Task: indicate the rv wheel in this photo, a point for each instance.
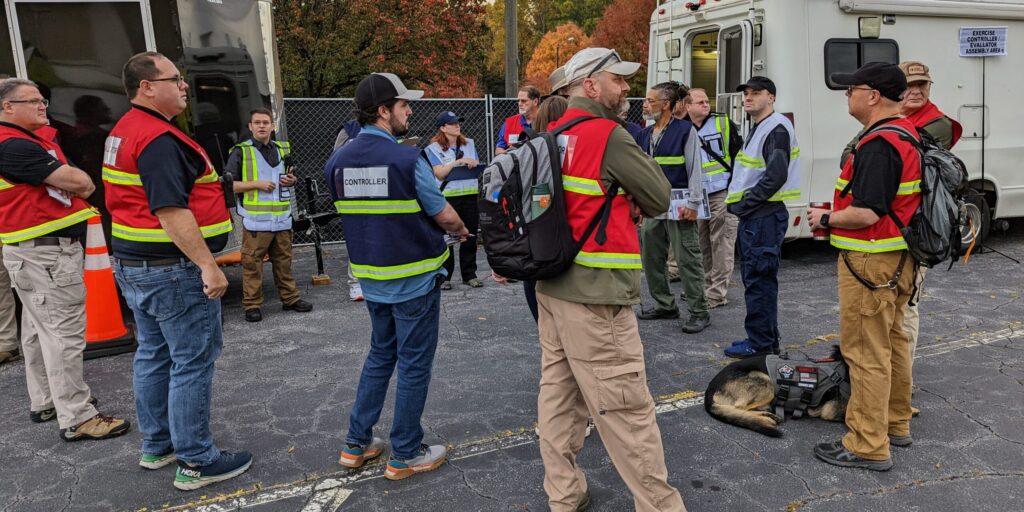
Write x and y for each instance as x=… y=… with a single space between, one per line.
x=979 y=216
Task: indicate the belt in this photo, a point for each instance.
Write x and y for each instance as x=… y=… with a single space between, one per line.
x=38 y=241
x=151 y=263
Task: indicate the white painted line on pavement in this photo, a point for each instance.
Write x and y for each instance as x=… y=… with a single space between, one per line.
x=329 y=494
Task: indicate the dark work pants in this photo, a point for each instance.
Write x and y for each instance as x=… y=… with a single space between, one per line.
x=760 y=242
x=467 y=209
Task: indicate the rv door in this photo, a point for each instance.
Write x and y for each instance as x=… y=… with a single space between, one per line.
x=735 y=53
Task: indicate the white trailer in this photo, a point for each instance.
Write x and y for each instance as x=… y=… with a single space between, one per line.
x=718 y=44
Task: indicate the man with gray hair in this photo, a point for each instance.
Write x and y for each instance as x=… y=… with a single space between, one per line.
x=592 y=359
x=42 y=217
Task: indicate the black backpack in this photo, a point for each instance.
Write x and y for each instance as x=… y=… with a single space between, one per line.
x=523 y=222
x=939 y=228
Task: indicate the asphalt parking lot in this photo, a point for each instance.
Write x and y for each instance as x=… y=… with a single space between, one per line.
x=284 y=386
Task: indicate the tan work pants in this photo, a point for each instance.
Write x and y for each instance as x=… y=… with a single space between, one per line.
x=48 y=279
x=592 y=362
x=8 y=324
x=912 y=319
x=717 y=238
x=877 y=351
x=256 y=245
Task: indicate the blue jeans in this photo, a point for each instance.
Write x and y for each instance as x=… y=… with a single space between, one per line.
x=760 y=242
x=179 y=335
x=404 y=334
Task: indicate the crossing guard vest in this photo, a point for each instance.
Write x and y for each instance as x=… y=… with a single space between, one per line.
x=456 y=188
x=884 y=235
x=749 y=167
x=126 y=200
x=389 y=236
x=669 y=152
x=514 y=128
x=28 y=211
x=716 y=132
x=585 y=144
x=264 y=211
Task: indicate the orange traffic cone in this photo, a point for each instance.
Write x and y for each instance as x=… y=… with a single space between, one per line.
x=105 y=331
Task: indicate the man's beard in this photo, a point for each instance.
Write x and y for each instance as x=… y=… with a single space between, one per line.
x=398 y=129
x=653 y=116
x=523 y=110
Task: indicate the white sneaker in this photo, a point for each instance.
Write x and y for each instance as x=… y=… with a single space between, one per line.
x=429 y=459
x=355 y=293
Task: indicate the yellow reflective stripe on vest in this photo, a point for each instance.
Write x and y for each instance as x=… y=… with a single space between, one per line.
x=584 y=186
x=249 y=172
x=459 y=192
x=121 y=177
x=159 y=235
x=785 y=195
x=269 y=208
x=735 y=197
x=670 y=160
x=841 y=184
x=712 y=168
x=48 y=227
x=909 y=187
x=398 y=271
x=127 y=178
x=4 y=184
x=608 y=260
x=873 y=246
x=364 y=207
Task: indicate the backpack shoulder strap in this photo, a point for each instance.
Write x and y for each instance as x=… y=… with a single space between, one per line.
x=558 y=131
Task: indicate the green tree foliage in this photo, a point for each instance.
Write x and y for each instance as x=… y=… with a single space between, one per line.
x=326 y=47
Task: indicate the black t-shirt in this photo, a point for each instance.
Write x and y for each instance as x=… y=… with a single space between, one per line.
x=168 y=169
x=25 y=162
x=877 y=170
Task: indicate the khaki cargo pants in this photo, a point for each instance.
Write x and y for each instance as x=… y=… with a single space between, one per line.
x=278 y=245
x=592 y=363
x=48 y=279
x=877 y=350
x=717 y=237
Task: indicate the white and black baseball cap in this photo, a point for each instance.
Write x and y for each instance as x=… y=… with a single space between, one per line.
x=379 y=88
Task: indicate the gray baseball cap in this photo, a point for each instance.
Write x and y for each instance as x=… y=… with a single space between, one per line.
x=589 y=61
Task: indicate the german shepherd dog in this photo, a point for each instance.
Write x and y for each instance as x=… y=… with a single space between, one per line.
x=743 y=394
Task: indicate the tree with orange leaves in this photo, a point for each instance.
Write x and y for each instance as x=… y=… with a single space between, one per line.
x=626 y=26
x=558 y=45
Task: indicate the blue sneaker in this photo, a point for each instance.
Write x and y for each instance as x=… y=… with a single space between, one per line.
x=776 y=349
x=228 y=466
x=743 y=350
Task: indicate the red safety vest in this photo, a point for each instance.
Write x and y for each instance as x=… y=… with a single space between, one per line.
x=49 y=133
x=28 y=211
x=930 y=113
x=884 y=235
x=584 y=195
x=513 y=126
x=126 y=200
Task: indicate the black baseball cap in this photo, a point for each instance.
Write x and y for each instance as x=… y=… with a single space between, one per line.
x=888 y=79
x=448 y=117
x=758 y=83
x=379 y=88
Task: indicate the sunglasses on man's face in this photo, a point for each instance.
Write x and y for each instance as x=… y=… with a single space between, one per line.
x=600 y=65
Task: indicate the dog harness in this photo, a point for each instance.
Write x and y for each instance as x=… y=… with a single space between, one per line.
x=803 y=382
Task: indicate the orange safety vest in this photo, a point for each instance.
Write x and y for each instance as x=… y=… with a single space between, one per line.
x=884 y=235
x=585 y=144
x=126 y=200
x=28 y=211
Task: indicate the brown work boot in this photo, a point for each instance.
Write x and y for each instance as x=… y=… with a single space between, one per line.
x=97 y=427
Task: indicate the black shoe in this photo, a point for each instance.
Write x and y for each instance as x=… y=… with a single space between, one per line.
x=253 y=315
x=697 y=323
x=901 y=441
x=658 y=315
x=836 y=454
x=49 y=414
x=299 y=306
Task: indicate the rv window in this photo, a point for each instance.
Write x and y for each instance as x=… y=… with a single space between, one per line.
x=846 y=55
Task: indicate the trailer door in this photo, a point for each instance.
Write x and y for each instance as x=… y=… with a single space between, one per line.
x=735 y=54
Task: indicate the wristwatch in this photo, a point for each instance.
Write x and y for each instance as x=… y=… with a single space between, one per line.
x=823 y=220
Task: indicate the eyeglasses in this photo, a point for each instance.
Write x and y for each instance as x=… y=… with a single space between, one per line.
x=35 y=103
x=649 y=101
x=177 y=79
x=850 y=89
x=600 y=65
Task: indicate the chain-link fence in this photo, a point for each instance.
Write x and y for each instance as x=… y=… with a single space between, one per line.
x=313 y=126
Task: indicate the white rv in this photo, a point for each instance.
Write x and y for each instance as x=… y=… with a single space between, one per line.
x=718 y=44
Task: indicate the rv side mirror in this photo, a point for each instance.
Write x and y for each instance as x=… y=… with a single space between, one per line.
x=869 y=27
